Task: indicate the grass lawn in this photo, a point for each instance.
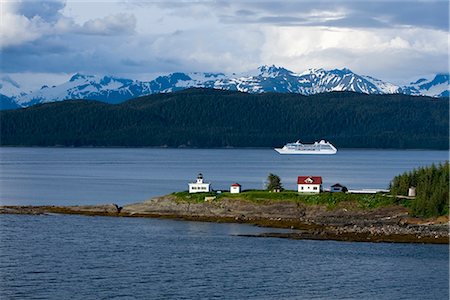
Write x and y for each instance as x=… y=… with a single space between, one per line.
x=324 y=198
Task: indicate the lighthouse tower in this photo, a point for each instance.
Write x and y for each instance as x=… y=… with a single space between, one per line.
x=199 y=186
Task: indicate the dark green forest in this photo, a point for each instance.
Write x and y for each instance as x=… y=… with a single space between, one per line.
x=216 y=118
x=432 y=189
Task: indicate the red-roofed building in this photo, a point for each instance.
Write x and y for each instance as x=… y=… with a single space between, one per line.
x=309 y=184
x=235 y=188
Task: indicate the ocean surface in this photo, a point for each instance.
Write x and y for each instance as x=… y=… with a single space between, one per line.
x=80 y=257
x=66 y=176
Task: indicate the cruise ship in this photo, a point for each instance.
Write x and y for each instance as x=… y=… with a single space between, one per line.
x=322 y=147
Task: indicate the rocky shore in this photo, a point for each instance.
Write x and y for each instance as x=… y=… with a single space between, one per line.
x=345 y=222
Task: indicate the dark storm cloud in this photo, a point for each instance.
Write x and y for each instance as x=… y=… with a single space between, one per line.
x=43 y=46
x=433 y=15
x=73 y=53
x=47 y=10
x=57 y=43
x=371 y=14
x=428 y=14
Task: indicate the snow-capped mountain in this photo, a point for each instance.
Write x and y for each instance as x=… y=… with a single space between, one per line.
x=112 y=89
x=276 y=79
x=281 y=80
x=265 y=79
x=437 y=86
x=107 y=88
x=9 y=87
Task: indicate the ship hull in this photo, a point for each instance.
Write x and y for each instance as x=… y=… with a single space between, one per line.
x=305 y=152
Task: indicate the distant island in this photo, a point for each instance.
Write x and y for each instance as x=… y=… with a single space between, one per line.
x=203 y=118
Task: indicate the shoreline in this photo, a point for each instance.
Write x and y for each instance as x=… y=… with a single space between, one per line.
x=313 y=222
x=209 y=148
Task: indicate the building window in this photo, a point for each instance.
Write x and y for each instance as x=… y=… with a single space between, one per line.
x=301 y=188
x=315 y=188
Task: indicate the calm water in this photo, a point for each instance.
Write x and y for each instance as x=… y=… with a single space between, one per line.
x=77 y=257
x=67 y=257
x=88 y=176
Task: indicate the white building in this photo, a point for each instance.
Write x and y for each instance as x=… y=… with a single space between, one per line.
x=199 y=186
x=235 y=188
x=309 y=184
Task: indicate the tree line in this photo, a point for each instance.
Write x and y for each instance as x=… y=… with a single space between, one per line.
x=432 y=189
x=215 y=118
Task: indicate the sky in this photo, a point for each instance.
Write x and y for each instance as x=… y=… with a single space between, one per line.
x=45 y=42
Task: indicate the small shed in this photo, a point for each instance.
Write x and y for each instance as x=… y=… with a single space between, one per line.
x=337 y=188
x=412 y=191
x=235 y=188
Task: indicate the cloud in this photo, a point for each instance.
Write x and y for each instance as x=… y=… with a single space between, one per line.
x=386 y=39
x=386 y=53
x=349 y=14
x=28 y=21
x=111 y=25
x=17 y=29
x=50 y=11
x=6 y=78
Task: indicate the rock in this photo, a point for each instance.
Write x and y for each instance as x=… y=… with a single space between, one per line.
x=380 y=224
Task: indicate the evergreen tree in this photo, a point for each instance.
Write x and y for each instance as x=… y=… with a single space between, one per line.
x=432 y=189
x=274 y=183
x=214 y=118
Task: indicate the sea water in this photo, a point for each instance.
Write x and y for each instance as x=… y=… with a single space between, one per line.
x=80 y=257
x=70 y=176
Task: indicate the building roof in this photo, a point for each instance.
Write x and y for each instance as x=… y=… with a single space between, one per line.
x=235 y=184
x=309 y=180
x=337 y=185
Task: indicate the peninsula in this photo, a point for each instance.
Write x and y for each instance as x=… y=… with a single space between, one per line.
x=328 y=216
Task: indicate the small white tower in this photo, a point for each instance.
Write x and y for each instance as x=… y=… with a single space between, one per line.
x=412 y=191
x=199 y=186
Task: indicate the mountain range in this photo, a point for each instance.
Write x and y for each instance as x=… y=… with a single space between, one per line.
x=113 y=90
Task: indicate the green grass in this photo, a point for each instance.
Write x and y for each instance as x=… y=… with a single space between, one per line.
x=364 y=201
x=194 y=198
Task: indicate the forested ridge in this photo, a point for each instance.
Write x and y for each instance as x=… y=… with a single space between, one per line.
x=216 y=118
